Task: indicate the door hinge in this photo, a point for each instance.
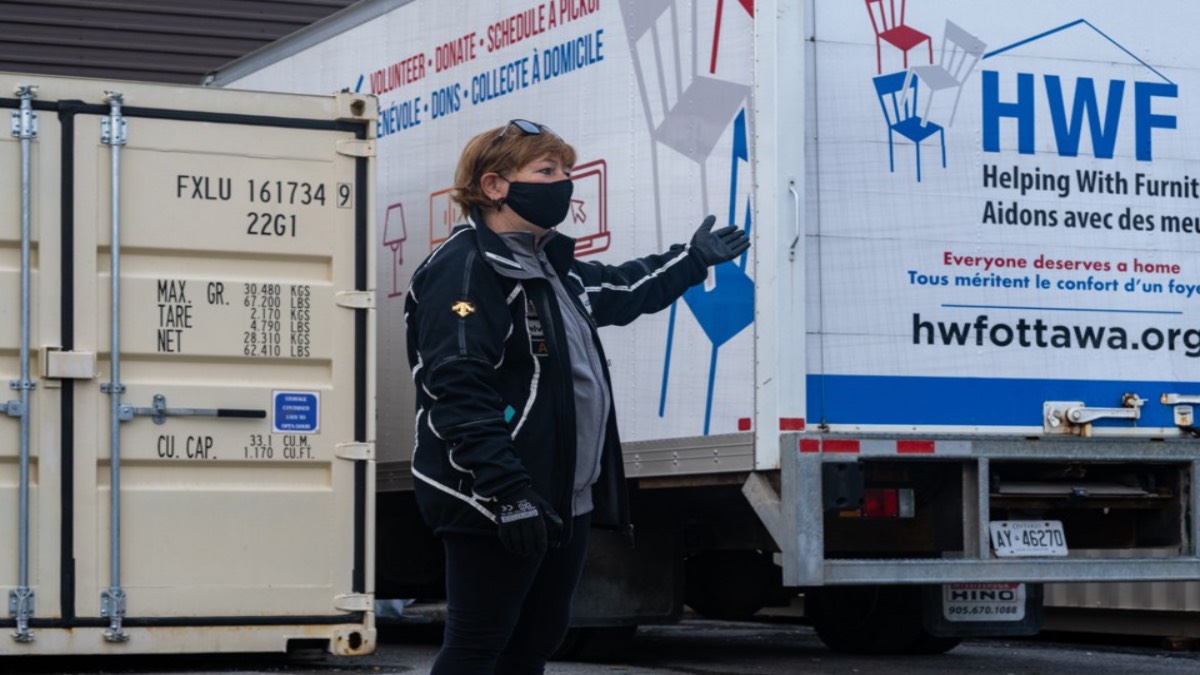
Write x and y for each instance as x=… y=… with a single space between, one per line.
x=355 y=299
x=60 y=365
x=355 y=148
x=354 y=602
x=25 y=121
x=354 y=451
x=114 y=129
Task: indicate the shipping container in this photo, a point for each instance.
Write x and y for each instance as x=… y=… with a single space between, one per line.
x=959 y=361
x=187 y=461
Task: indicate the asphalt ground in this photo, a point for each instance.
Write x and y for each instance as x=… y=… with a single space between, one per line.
x=693 y=647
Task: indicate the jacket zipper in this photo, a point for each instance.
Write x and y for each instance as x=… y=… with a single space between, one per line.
x=552 y=329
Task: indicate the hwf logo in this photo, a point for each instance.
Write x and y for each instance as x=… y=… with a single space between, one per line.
x=1101 y=115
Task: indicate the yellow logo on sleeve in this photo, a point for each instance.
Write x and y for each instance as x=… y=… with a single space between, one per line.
x=462 y=308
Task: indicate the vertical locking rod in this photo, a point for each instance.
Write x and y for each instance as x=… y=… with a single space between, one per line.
x=24 y=128
x=112 y=601
x=983 y=512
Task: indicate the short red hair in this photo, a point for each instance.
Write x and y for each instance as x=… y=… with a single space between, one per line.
x=502 y=150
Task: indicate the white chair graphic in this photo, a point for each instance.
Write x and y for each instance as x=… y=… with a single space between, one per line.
x=687 y=112
x=960 y=52
x=689 y=109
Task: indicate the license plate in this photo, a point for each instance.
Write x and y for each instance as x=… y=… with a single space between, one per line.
x=1028 y=538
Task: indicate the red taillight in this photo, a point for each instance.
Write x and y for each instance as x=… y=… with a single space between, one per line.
x=881 y=503
x=888 y=503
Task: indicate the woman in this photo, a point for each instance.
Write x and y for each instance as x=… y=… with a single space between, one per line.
x=517 y=453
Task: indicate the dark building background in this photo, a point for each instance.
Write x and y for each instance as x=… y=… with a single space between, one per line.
x=150 y=40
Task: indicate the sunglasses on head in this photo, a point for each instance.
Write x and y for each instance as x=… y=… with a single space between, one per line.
x=526 y=128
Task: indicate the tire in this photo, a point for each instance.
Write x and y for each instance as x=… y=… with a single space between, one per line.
x=873 y=620
x=596 y=645
x=931 y=645
x=730 y=585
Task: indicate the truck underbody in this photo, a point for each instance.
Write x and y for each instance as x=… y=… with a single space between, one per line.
x=871 y=537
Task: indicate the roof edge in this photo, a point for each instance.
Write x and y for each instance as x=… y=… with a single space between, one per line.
x=294 y=43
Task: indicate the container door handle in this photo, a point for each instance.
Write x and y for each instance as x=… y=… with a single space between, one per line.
x=160 y=412
x=796 y=221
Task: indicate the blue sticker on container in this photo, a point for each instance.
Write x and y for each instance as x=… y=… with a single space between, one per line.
x=296 y=412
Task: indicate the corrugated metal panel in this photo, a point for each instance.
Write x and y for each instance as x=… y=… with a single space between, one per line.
x=1164 y=609
x=1164 y=596
x=1167 y=608
x=174 y=41
x=335 y=24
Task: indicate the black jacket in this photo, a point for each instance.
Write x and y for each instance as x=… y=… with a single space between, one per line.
x=495 y=403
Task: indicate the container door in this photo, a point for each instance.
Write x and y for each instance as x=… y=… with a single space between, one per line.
x=241 y=358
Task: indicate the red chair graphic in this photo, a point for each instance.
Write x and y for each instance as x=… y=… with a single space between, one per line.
x=891 y=29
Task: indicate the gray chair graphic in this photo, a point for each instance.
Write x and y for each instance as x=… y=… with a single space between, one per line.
x=687 y=112
x=961 y=51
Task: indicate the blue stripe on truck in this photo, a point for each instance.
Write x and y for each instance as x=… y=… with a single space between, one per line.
x=971 y=401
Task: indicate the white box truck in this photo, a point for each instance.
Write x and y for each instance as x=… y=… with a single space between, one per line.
x=958 y=363
x=186 y=459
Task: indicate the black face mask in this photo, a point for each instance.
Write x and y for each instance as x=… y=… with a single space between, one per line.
x=543 y=204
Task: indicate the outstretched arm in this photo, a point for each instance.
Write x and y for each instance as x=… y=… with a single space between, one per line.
x=621 y=293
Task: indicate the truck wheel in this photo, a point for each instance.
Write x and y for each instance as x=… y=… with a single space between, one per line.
x=597 y=645
x=932 y=644
x=730 y=585
x=872 y=620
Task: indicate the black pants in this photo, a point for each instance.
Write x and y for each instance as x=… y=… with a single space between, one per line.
x=507 y=614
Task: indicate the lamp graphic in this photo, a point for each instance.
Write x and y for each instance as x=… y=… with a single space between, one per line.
x=394 y=234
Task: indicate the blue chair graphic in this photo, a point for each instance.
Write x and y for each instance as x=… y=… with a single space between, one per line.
x=728 y=307
x=900 y=112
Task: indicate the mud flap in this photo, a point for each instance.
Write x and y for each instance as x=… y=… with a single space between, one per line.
x=626 y=585
x=983 y=609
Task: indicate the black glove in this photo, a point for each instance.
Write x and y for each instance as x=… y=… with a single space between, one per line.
x=723 y=245
x=526 y=522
